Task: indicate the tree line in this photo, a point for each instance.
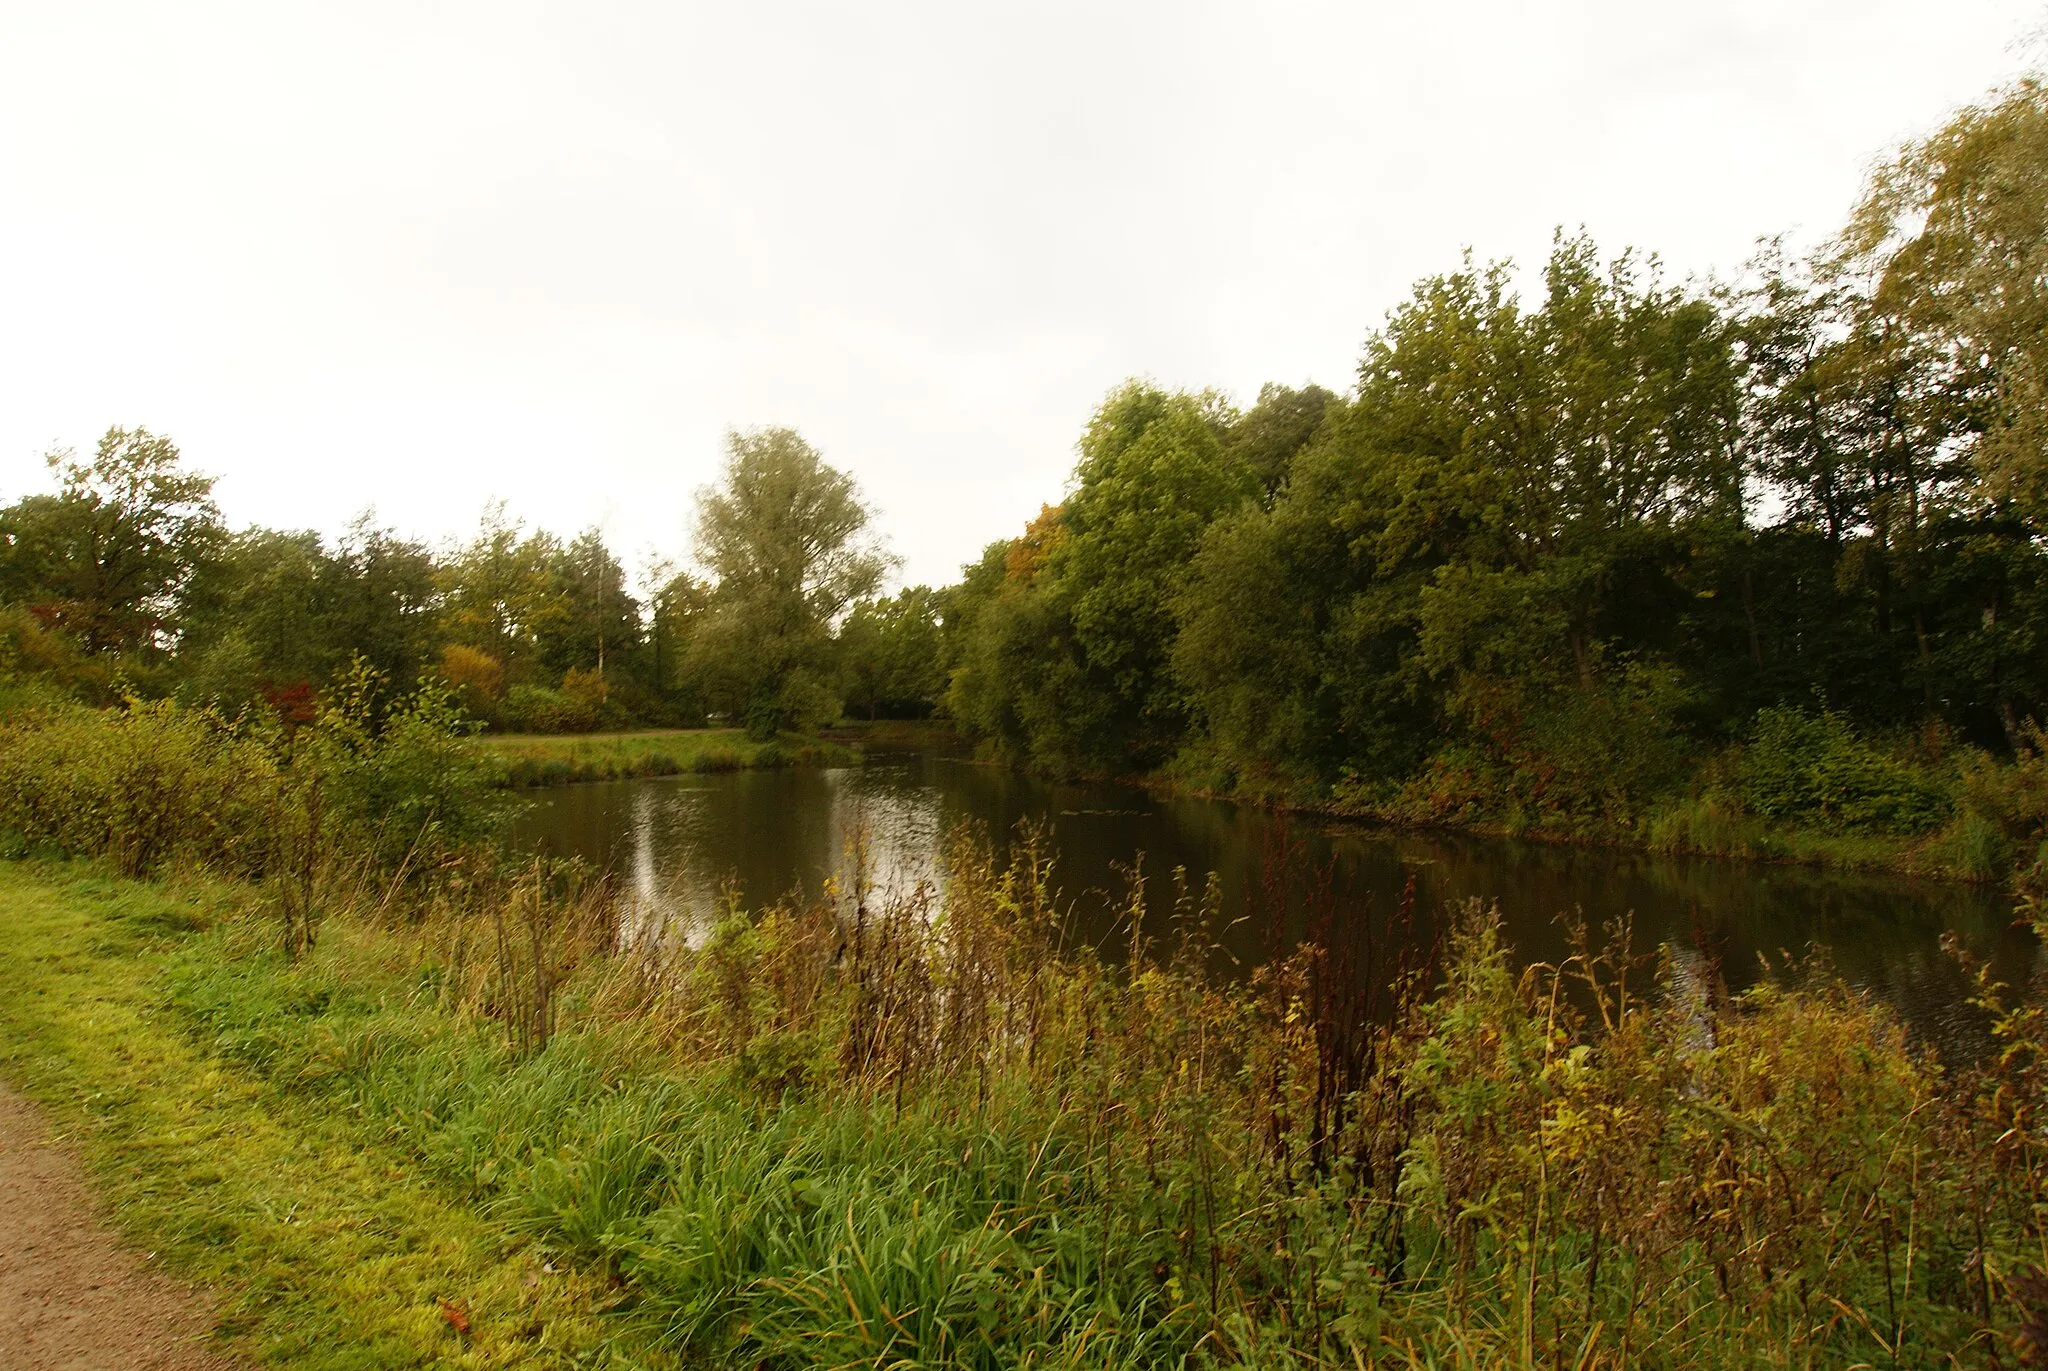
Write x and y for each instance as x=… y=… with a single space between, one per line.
x=1554 y=545
x=125 y=580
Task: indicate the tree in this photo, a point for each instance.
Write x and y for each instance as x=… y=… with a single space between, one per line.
x=1153 y=475
x=593 y=621
x=676 y=602
x=890 y=655
x=380 y=600
x=1545 y=456
x=499 y=593
x=1948 y=256
x=108 y=557
x=1953 y=237
x=1296 y=648
x=784 y=537
x=1281 y=424
x=254 y=618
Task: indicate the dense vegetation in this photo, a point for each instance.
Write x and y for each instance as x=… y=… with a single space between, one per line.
x=868 y=1131
x=126 y=583
x=1618 y=555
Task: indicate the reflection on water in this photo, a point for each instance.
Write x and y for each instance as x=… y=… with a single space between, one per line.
x=680 y=842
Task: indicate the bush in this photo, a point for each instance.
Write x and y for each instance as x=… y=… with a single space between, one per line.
x=1813 y=768
x=146 y=785
x=154 y=783
x=409 y=785
x=539 y=709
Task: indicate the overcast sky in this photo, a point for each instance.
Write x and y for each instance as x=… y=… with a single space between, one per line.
x=417 y=255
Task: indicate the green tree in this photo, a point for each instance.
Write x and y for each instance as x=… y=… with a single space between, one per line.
x=1952 y=236
x=380 y=600
x=499 y=594
x=254 y=617
x=784 y=537
x=1272 y=431
x=675 y=604
x=108 y=557
x=1153 y=474
x=1297 y=649
x=890 y=655
x=1544 y=455
x=593 y=623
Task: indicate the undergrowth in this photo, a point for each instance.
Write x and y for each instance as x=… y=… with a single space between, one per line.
x=844 y=1134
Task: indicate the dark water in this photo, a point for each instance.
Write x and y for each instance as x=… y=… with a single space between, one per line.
x=676 y=843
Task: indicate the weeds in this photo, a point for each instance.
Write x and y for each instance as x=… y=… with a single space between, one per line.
x=882 y=1129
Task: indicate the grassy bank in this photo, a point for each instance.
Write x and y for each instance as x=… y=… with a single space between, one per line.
x=900 y=735
x=333 y=1249
x=1808 y=789
x=961 y=1149
x=546 y=759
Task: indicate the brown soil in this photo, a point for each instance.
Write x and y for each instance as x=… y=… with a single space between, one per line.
x=71 y=1298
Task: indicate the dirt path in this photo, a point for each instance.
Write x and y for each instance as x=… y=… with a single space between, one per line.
x=71 y=1298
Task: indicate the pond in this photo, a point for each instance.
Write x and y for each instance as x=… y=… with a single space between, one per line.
x=677 y=843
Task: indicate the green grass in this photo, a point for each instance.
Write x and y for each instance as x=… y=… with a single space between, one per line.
x=540 y=759
x=958 y=1151
x=329 y=1247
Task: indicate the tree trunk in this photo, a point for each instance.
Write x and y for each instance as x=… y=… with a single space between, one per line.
x=1756 y=643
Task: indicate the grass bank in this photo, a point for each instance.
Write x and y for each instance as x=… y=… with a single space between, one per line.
x=904 y=1143
x=1806 y=789
x=900 y=735
x=561 y=759
x=332 y=1247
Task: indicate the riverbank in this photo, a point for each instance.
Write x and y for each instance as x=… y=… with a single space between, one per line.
x=401 y=1098
x=139 y=1016
x=533 y=759
x=736 y=1158
x=1995 y=832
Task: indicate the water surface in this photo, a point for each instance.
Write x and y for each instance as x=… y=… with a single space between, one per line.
x=678 y=843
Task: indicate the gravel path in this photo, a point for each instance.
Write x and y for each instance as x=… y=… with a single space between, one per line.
x=71 y=1297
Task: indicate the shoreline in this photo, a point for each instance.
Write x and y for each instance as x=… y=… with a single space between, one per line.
x=542 y=761
x=1886 y=855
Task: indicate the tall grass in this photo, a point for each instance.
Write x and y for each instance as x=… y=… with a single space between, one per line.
x=867 y=1131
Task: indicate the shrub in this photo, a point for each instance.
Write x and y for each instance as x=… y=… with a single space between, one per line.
x=157 y=782
x=409 y=786
x=146 y=785
x=539 y=709
x=477 y=678
x=1814 y=768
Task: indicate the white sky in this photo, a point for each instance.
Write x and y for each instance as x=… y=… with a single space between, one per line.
x=417 y=255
